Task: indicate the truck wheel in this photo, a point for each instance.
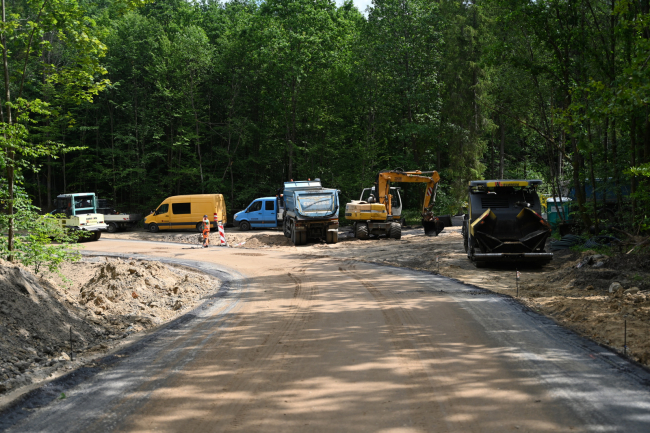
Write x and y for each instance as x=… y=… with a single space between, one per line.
x=480 y=264
x=361 y=231
x=332 y=237
x=395 y=231
x=112 y=228
x=244 y=226
x=298 y=237
x=153 y=228
x=285 y=228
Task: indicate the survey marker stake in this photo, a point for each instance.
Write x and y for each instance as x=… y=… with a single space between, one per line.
x=625 y=338
x=517 y=281
x=71 y=349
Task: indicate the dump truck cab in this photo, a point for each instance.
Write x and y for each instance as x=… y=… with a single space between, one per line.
x=504 y=222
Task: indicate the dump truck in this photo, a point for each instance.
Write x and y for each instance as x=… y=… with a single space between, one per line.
x=504 y=223
x=80 y=212
x=310 y=212
x=377 y=214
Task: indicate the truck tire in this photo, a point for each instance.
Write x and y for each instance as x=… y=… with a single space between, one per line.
x=244 y=226
x=332 y=236
x=153 y=228
x=361 y=231
x=298 y=237
x=112 y=227
x=395 y=231
x=286 y=229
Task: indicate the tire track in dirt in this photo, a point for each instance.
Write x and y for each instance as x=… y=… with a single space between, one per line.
x=263 y=357
x=406 y=340
x=182 y=350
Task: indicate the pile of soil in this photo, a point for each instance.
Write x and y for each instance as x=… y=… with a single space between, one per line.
x=96 y=302
x=262 y=240
x=235 y=239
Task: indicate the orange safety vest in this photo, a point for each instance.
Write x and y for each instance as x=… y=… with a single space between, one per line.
x=206 y=228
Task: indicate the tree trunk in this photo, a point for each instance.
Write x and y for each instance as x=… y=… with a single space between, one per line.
x=577 y=185
x=49 y=182
x=10 y=152
x=633 y=162
x=502 y=150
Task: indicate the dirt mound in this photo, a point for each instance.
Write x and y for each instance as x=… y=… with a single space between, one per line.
x=262 y=240
x=35 y=323
x=236 y=239
x=149 y=288
x=102 y=302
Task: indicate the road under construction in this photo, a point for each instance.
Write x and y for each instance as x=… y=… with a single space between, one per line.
x=302 y=342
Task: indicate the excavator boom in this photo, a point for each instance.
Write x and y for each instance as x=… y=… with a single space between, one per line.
x=432 y=224
x=384 y=179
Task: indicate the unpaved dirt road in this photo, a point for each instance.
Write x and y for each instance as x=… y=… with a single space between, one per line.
x=306 y=343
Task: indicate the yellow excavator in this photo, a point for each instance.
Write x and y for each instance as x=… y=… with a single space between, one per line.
x=374 y=216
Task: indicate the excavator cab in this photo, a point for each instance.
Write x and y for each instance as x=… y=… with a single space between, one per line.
x=396 y=199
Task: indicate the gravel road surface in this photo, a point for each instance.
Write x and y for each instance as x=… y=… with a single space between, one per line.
x=301 y=342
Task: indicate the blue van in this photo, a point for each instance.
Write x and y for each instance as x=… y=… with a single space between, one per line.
x=264 y=212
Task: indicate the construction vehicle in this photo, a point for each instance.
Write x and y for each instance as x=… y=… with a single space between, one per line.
x=264 y=212
x=396 y=202
x=504 y=223
x=115 y=220
x=186 y=212
x=310 y=212
x=376 y=215
x=80 y=214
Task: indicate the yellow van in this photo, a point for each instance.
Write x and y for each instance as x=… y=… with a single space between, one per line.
x=186 y=212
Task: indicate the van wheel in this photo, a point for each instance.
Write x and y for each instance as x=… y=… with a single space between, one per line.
x=199 y=227
x=153 y=228
x=244 y=226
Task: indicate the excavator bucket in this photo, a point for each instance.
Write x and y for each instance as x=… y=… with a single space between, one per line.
x=434 y=225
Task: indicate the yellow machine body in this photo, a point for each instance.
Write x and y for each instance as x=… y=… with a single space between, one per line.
x=364 y=211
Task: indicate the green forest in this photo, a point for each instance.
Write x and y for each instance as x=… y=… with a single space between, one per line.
x=138 y=100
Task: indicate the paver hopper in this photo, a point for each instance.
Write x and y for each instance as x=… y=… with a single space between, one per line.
x=504 y=223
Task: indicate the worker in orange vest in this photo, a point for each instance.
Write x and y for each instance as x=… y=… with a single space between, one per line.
x=206 y=231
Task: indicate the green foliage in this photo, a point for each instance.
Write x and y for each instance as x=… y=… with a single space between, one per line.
x=237 y=97
x=41 y=241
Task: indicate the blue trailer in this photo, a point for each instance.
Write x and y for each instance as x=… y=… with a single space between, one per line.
x=305 y=210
